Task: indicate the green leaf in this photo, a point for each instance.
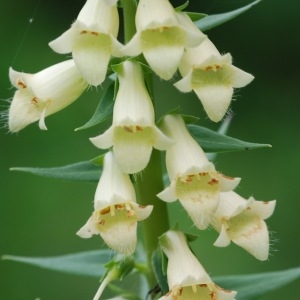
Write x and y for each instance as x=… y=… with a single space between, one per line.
x=212 y=21
x=89 y=263
x=103 y=111
x=252 y=286
x=81 y=171
x=211 y=141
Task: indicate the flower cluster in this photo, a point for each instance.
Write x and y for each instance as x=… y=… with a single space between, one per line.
x=168 y=41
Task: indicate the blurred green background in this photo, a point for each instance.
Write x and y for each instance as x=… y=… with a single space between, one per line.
x=39 y=216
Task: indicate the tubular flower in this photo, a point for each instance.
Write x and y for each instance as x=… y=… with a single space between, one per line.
x=43 y=93
x=194 y=180
x=116 y=212
x=133 y=132
x=212 y=77
x=242 y=221
x=187 y=278
x=161 y=36
x=92 y=39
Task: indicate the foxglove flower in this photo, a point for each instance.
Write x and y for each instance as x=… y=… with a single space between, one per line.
x=43 y=93
x=212 y=77
x=242 y=221
x=116 y=212
x=194 y=180
x=161 y=36
x=187 y=279
x=92 y=39
x=133 y=132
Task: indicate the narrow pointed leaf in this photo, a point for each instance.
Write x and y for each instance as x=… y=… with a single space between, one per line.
x=103 y=111
x=211 y=141
x=81 y=171
x=212 y=21
x=252 y=286
x=89 y=263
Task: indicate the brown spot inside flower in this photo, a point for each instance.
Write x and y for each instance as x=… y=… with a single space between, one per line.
x=213 y=181
x=105 y=210
x=128 y=129
x=21 y=84
x=119 y=206
x=34 y=101
x=101 y=222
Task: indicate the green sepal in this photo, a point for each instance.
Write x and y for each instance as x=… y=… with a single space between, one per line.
x=89 y=263
x=211 y=141
x=104 y=110
x=120 y=265
x=188 y=119
x=85 y=171
x=195 y=16
x=182 y=6
x=253 y=286
x=213 y=21
x=159 y=269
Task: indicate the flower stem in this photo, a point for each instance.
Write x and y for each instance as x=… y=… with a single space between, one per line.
x=129 y=9
x=150 y=184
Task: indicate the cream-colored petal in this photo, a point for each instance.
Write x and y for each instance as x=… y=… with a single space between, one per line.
x=163 y=50
x=42 y=124
x=64 y=43
x=160 y=140
x=169 y=193
x=22 y=111
x=133 y=47
x=264 y=209
x=227 y=184
x=132 y=150
x=104 y=140
x=142 y=212
x=193 y=35
x=200 y=205
x=223 y=240
x=88 y=229
x=185 y=84
x=250 y=233
x=119 y=231
x=240 y=78
x=153 y=14
x=91 y=53
x=215 y=100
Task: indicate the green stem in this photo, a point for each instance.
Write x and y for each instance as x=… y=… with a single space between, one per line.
x=129 y=9
x=148 y=186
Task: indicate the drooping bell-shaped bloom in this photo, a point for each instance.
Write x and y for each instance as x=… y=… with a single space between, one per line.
x=133 y=132
x=43 y=93
x=92 y=39
x=161 y=36
x=116 y=212
x=194 y=180
x=242 y=221
x=187 y=279
x=212 y=77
